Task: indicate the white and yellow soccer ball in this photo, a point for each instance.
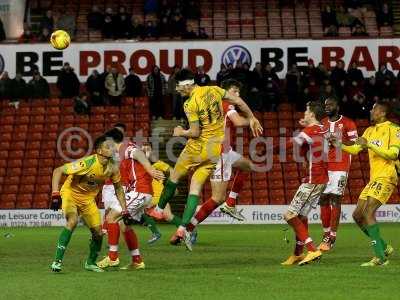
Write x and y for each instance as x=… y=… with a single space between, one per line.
x=60 y=39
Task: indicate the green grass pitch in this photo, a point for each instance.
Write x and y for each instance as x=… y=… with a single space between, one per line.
x=229 y=262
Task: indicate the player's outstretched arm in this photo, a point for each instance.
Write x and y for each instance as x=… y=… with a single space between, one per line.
x=237 y=120
x=390 y=154
x=353 y=149
x=254 y=124
x=55 y=195
x=139 y=155
x=119 y=192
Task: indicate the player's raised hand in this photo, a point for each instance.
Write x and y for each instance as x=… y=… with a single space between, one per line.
x=157 y=174
x=255 y=127
x=127 y=218
x=55 y=201
x=362 y=142
x=178 y=131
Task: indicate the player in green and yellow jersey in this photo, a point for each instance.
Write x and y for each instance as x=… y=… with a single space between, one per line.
x=77 y=197
x=382 y=140
x=203 y=109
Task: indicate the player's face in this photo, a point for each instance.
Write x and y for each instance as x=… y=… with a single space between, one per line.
x=308 y=115
x=331 y=108
x=147 y=150
x=107 y=149
x=234 y=90
x=184 y=90
x=377 y=112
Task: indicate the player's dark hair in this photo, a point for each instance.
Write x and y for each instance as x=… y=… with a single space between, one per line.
x=334 y=99
x=122 y=125
x=228 y=83
x=100 y=141
x=316 y=108
x=115 y=134
x=387 y=107
x=184 y=74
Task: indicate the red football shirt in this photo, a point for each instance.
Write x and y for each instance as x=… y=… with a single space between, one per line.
x=314 y=145
x=229 y=128
x=346 y=131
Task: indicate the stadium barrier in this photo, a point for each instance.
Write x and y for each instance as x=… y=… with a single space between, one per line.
x=85 y=57
x=255 y=214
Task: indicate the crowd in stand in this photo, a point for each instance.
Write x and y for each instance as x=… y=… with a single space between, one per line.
x=350 y=15
x=262 y=88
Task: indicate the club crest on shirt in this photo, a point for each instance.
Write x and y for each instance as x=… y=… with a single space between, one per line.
x=377 y=143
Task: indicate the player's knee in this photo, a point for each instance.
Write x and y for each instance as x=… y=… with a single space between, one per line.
x=324 y=200
x=96 y=233
x=288 y=216
x=72 y=223
x=112 y=216
x=357 y=216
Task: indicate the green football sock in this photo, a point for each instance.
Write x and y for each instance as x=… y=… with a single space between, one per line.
x=167 y=193
x=190 y=209
x=62 y=243
x=94 y=249
x=176 y=221
x=384 y=244
x=151 y=224
x=377 y=244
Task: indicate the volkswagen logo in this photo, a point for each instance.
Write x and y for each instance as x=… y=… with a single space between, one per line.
x=234 y=54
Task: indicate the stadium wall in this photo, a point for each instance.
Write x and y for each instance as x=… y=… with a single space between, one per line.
x=255 y=214
x=141 y=56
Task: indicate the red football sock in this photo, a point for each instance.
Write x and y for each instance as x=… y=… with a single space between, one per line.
x=132 y=243
x=113 y=240
x=298 y=250
x=335 y=218
x=326 y=218
x=190 y=227
x=205 y=210
x=301 y=229
x=237 y=186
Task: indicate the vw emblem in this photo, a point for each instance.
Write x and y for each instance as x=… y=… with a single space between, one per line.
x=234 y=54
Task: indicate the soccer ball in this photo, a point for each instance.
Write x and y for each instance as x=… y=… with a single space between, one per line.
x=60 y=39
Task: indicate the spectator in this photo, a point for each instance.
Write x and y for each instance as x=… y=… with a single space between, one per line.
x=313 y=90
x=164 y=27
x=201 y=78
x=256 y=88
x=18 y=88
x=192 y=10
x=177 y=103
x=332 y=30
x=27 y=36
x=189 y=34
x=67 y=22
x=177 y=25
x=269 y=73
x=115 y=86
x=372 y=90
x=137 y=28
x=81 y=105
x=352 y=3
x=327 y=92
x=222 y=74
x=292 y=83
x=47 y=21
x=150 y=7
x=108 y=30
x=133 y=84
x=156 y=89
x=321 y=74
x=383 y=74
x=343 y=18
x=123 y=30
x=67 y=82
x=2 y=31
x=309 y=72
x=355 y=74
x=95 y=87
x=239 y=73
x=150 y=31
x=95 y=19
x=388 y=91
x=385 y=16
x=338 y=77
x=328 y=17
x=45 y=35
x=272 y=95
x=5 y=86
x=38 y=87
x=103 y=77
x=359 y=30
x=202 y=34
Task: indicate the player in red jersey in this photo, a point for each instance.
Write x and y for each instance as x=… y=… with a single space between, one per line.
x=229 y=159
x=313 y=146
x=136 y=175
x=345 y=130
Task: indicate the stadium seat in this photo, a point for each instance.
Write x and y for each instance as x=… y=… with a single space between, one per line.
x=6 y=128
x=10 y=189
x=277 y=197
x=16 y=154
x=24 y=201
